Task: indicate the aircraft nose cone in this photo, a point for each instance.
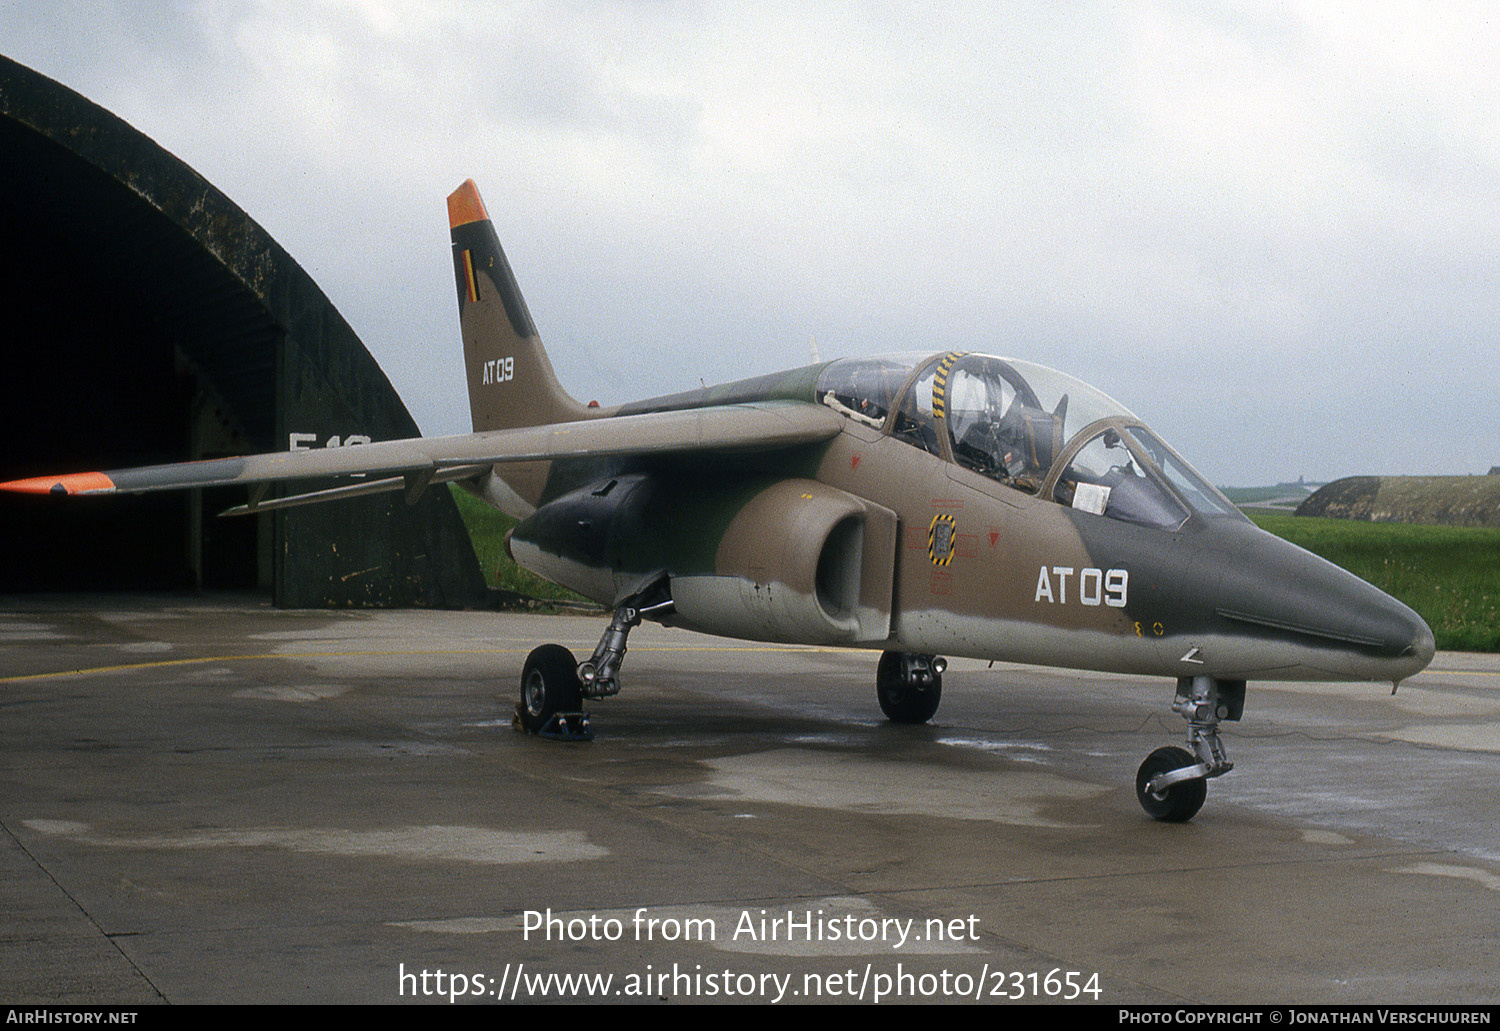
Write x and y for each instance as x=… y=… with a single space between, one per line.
x=1277 y=588
x=1401 y=637
x=1423 y=645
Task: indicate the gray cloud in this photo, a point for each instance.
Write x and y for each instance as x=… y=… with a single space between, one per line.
x=1268 y=229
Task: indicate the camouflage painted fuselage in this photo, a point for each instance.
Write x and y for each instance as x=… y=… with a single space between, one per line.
x=958 y=504
x=869 y=540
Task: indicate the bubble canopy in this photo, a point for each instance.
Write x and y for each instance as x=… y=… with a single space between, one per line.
x=1031 y=428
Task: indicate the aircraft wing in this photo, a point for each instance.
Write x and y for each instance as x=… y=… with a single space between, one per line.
x=419 y=461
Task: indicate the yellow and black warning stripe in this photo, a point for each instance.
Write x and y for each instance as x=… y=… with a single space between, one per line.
x=940 y=382
x=942 y=536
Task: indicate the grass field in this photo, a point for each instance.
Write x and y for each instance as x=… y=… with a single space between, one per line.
x=1449 y=574
x=487 y=529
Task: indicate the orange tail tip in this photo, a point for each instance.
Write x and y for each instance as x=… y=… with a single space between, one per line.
x=465 y=206
x=73 y=483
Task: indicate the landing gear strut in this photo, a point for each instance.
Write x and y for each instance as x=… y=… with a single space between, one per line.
x=909 y=685
x=553 y=684
x=1173 y=782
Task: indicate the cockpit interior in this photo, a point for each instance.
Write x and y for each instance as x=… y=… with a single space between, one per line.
x=1028 y=427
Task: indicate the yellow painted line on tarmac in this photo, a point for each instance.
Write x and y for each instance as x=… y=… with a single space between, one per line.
x=203 y=660
x=744 y=648
x=165 y=663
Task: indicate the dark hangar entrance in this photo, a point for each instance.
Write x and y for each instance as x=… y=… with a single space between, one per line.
x=147 y=319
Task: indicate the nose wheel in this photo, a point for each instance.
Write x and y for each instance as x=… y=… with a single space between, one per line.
x=1170 y=802
x=1172 y=783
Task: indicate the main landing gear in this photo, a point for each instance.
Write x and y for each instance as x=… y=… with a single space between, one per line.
x=551 y=694
x=1173 y=782
x=554 y=684
x=909 y=685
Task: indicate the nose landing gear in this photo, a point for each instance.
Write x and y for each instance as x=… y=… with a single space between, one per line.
x=1172 y=783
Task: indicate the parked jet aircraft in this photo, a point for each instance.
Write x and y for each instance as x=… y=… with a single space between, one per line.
x=916 y=505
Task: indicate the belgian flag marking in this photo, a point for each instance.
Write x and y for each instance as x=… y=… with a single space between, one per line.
x=470 y=283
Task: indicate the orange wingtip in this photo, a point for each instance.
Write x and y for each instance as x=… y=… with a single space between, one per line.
x=73 y=483
x=465 y=206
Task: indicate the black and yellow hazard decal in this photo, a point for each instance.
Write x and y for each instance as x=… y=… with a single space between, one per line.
x=940 y=383
x=941 y=537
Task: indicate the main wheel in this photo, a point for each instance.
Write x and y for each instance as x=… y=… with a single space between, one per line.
x=549 y=684
x=1180 y=802
x=901 y=700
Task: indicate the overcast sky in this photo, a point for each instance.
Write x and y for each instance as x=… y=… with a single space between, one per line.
x=1272 y=230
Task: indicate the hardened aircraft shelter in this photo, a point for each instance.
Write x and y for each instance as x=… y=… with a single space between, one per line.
x=148 y=319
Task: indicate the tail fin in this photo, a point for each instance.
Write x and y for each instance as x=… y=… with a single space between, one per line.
x=511 y=382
